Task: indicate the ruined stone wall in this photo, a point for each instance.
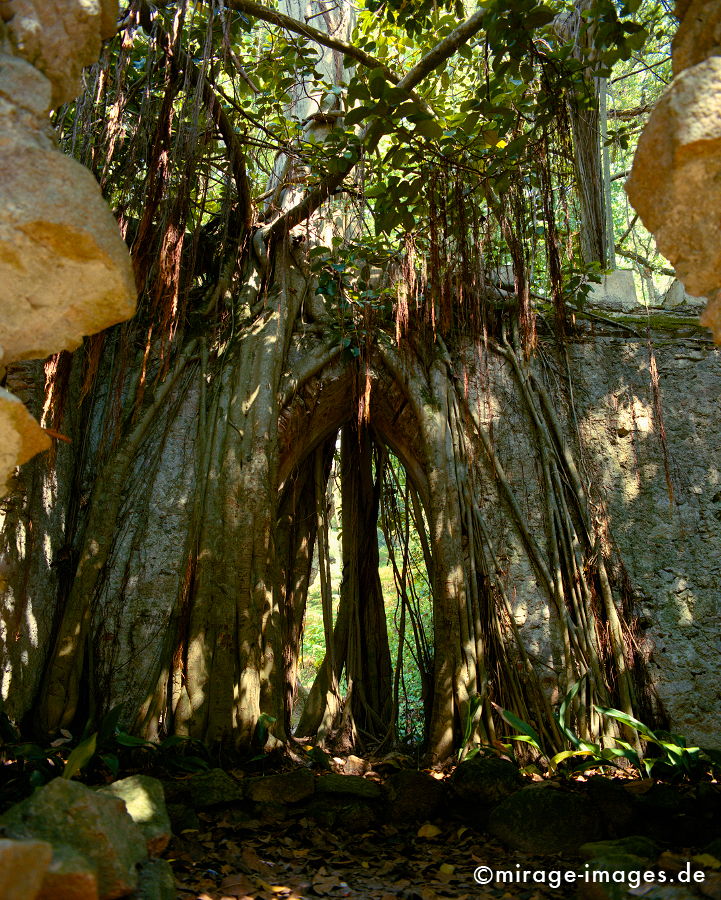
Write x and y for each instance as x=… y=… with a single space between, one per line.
x=671 y=548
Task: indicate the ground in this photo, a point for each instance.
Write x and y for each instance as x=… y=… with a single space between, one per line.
x=295 y=858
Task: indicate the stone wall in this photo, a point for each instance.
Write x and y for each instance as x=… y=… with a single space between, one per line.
x=671 y=550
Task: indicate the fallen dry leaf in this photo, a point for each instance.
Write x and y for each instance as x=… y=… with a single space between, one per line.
x=428 y=831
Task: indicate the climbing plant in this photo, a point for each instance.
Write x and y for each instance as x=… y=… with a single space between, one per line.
x=340 y=223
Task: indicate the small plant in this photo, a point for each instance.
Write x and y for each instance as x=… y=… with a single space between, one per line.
x=674 y=758
x=466 y=751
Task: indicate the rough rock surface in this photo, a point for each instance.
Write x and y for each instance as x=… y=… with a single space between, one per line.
x=676 y=296
x=349 y=785
x=71 y=876
x=485 y=782
x=60 y=37
x=64 y=268
x=288 y=787
x=144 y=800
x=675 y=183
x=155 y=881
x=616 y=292
x=413 y=796
x=213 y=789
x=22 y=867
x=95 y=826
x=698 y=35
x=544 y=819
x=20 y=438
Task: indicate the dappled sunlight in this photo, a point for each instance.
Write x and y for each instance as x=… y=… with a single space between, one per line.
x=70 y=643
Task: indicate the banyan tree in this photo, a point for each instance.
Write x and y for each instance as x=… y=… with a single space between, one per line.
x=359 y=249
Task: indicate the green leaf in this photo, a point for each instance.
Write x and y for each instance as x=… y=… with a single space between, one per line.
x=627 y=720
x=567 y=754
x=538 y=16
x=528 y=734
x=357 y=114
x=80 y=756
x=109 y=725
x=429 y=129
x=564 y=709
x=129 y=740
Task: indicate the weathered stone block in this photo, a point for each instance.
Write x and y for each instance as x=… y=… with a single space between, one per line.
x=144 y=800
x=20 y=436
x=156 y=881
x=60 y=37
x=22 y=867
x=349 y=785
x=675 y=184
x=288 y=787
x=213 y=788
x=64 y=268
x=545 y=820
x=698 y=35
x=676 y=296
x=484 y=782
x=70 y=877
x=616 y=292
x=94 y=825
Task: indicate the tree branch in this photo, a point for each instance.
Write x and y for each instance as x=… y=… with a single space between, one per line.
x=641 y=260
x=374 y=131
x=273 y=17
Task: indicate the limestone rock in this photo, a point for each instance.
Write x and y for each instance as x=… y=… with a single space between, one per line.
x=543 y=819
x=288 y=787
x=413 y=796
x=349 y=785
x=342 y=812
x=616 y=292
x=609 y=877
x=156 y=881
x=698 y=35
x=635 y=845
x=711 y=316
x=96 y=826
x=60 y=37
x=20 y=436
x=485 y=782
x=64 y=268
x=675 y=183
x=22 y=867
x=676 y=296
x=70 y=877
x=617 y=807
x=144 y=800
x=213 y=788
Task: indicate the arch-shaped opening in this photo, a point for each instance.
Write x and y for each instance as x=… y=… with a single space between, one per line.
x=374 y=633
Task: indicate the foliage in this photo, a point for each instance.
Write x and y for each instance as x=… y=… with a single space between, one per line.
x=100 y=756
x=217 y=122
x=673 y=758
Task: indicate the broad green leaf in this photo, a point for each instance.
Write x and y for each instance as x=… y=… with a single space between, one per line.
x=627 y=720
x=357 y=114
x=429 y=129
x=80 y=756
x=528 y=733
